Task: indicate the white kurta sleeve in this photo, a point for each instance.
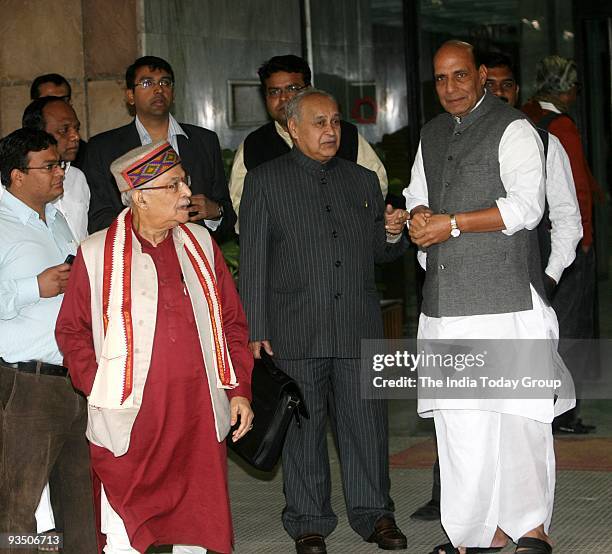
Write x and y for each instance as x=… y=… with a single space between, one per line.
x=521 y=163
x=416 y=193
x=564 y=212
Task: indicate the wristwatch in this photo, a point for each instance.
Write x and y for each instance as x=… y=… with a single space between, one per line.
x=455 y=231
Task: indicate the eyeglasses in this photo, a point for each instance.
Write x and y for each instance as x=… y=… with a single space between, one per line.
x=164 y=82
x=289 y=89
x=172 y=187
x=50 y=166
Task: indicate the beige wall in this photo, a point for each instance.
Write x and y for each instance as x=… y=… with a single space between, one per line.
x=90 y=42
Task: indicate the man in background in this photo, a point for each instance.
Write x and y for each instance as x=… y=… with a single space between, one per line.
x=574 y=300
x=282 y=77
x=150 y=92
x=55 y=116
x=54 y=84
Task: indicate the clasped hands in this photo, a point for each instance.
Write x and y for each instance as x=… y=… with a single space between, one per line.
x=395 y=220
x=427 y=228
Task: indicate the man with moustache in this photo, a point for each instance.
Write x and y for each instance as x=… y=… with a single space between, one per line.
x=153 y=332
x=477 y=189
x=312 y=228
x=43 y=419
x=282 y=77
x=54 y=84
x=56 y=117
x=150 y=92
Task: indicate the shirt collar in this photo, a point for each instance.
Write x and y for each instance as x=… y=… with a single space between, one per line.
x=23 y=212
x=310 y=165
x=174 y=130
x=460 y=119
x=548 y=106
x=283 y=134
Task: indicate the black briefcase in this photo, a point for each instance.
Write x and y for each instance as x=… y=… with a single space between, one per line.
x=277 y=400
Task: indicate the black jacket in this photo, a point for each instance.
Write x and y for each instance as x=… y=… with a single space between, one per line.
x=201 y=158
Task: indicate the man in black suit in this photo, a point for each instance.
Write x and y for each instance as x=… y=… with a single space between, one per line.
x=150 y=91
x=312 y=228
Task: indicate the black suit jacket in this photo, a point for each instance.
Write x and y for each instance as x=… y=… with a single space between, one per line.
x=200 y=155
x=310 y=234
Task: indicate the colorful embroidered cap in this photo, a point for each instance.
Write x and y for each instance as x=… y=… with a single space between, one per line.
x=143 y=164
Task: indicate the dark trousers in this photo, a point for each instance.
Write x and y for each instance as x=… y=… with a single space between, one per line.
x=574 y=304
x=362 y=439
x=43 y=428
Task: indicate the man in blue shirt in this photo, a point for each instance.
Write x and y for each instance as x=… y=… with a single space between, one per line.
x=43 y=419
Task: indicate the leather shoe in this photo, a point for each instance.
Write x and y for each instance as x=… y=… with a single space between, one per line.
x=387 y=535
x=427 y=512
x=575 y=428
x=310 y=544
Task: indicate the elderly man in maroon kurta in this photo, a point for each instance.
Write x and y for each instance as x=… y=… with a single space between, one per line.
x=153 y=332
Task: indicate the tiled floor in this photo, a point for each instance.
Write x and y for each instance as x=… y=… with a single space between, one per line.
x=583 y=505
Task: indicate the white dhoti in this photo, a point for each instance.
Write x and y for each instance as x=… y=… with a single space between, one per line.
x=496 y=470
x=497 y=465
x=117 y=540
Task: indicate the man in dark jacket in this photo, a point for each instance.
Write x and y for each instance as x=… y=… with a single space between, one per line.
x=150 y=91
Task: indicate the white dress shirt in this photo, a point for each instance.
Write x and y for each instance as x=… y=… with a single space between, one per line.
x=563 y=209
x=74 y=203
x=174 y=130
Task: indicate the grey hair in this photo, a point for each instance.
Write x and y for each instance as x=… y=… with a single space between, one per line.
x=294 y=106
x=126 y=197
x=555 y=75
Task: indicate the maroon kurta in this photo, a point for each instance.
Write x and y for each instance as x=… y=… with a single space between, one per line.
x=171 y=485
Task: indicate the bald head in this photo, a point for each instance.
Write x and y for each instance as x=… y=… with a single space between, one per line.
x=454 y=45
x=459 y=82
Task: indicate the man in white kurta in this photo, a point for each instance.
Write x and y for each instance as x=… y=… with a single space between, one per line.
x=478 y=182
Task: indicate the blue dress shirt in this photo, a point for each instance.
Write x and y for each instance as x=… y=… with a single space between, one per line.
x=28 y=246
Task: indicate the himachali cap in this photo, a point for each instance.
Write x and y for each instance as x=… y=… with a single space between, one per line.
x=143 y=164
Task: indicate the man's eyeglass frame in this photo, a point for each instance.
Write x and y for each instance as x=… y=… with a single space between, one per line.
x=172 y=186
x=61 y=164
x=164 y=82
x=289 y=89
